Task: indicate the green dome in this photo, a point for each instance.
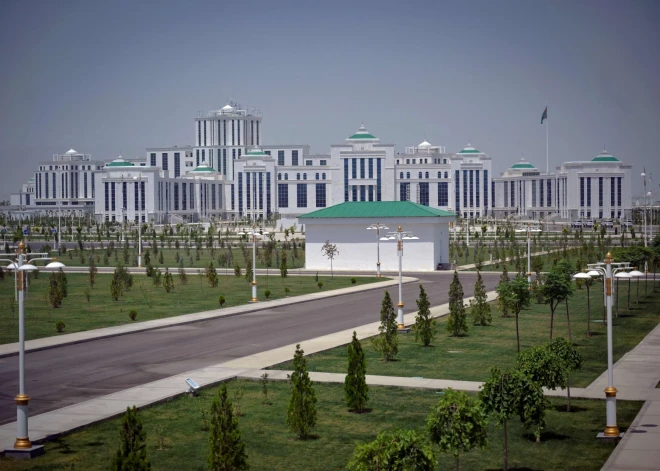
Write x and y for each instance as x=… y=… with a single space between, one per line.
x=470 y=150
x=256 y=152
x=362 y=133
x=203 y=168
x=119 y=162
x=605 y=156
x=523 y=165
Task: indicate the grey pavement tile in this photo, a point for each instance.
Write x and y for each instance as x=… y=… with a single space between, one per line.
x=637 y=460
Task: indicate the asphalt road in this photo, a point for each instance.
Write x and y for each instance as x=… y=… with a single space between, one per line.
x=70 y=374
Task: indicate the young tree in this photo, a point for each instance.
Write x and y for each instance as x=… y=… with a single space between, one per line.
x=227 y=450
x=398 y=450
x=457 y=322
x=501 y=304
x=516 y=296
x=330 y=251
x=116 y=289
x=507 y=393
x=355 y=384
x=387 y=342
x=168 y=280
x=479 y=305
x=92 y=271
x=132 y=453
x=543 y=366
x=211 y=275
x=424 y=327
x=457 y=424
x=301 y=414
x=283 y=269
x=55 y=295
x=570 y=359
x=556 y=290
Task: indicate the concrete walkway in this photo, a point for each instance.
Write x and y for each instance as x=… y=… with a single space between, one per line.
x=79 y=337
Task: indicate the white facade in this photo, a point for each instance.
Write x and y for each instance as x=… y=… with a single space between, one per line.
x=357 y=246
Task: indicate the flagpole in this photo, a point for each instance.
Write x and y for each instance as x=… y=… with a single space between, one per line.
x=547 y=160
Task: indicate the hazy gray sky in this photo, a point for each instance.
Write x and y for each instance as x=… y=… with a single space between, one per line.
x=105 y=77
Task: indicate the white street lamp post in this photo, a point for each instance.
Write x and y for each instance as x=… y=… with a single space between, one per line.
x=378 y=226
x=139 y=181
x=643 y=175
x=608 y=272
x=400 y=236
x=254 y=233
x=529 y=258
x=23 y=446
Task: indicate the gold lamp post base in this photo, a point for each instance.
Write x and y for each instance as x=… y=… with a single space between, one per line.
x=22 y=443
x=611 y=431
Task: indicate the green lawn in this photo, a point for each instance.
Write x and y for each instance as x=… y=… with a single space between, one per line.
x=74 y=257
x=150 y=302
x=569 y=441
x=470 y=358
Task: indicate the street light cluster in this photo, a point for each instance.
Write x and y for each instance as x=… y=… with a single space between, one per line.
x=609 y=270
x=21 y=266
x=254 y=232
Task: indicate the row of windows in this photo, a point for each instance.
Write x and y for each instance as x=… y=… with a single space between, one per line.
x=304 y=176
x=421 y=161
x=421 y=175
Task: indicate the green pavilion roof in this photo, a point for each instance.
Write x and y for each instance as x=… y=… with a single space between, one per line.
x=377 y=209
x=523 y=165
x=605 y=156
x=363 y=135
x=203 y=168
x=120 y=163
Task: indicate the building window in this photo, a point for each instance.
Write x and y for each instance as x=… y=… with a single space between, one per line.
x=309 y=163
x=176 y=197
x=408 y=175
x=177 y=164
x=443 y=194
x=401 y=175
x=371 y=168
x=184 y=199
x=363 y=193
x=427 y=175
x=362 y=174
x=297 y=176
x=582 y=192
x=279 y=176
x=404 y=192
x=136 y=199
x=456 y=191
x=152 y=158
x=323 y=162
x=107 y=195
x=286 y=176
x=589 y=191
x=419 y=175
x=85 y=184
x=355 y=194
x=302 y=195
x=549 y=193
x=541 y=195
x=486 y=191
x=378 y=179
x=371 y=192
x=304 y=176
x=317 y=176
x=611 y=191
x=439 y=174
x=600 y=191
x=283 y=195
x=345 y=179
x=240 y=192
x=424 y=193
x=512 y=194
x=294 y=157
x=280 y=157
x=533 y=193
x=354 y=163
x=618 y=191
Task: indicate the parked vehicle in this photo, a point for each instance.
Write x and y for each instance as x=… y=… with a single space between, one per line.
x=589 y=223
x=576 y=224
x=627 y=224
x=607 y=223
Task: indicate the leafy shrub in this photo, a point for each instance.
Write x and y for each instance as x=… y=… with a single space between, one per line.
x=267 y=293
x=286 y=290
x=222 y=300
x=353 y=280
x=60 y=326
x=132 y=314
x=319 y=284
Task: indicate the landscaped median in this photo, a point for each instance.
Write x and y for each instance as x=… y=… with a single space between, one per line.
x=470 y=357
x=79 y=313
x=177 y=434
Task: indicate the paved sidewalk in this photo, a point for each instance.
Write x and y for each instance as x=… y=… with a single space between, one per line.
x=79 y=337
x=638 y=372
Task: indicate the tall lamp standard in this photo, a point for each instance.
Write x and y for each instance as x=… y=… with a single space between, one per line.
x=377 y=227
x=529 y=257
x=138 y=180
x=608 y=270
x=23 y=447
x=400 y=236
x=254 y=233
x=643 y=175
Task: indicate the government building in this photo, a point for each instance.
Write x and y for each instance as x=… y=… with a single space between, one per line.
x=230 y=174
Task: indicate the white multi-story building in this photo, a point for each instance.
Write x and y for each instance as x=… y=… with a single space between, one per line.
x=229 y=173
x=599 y=188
